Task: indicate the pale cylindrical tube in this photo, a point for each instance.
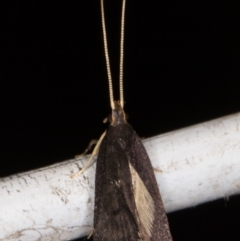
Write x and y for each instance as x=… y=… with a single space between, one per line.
x=193 y=165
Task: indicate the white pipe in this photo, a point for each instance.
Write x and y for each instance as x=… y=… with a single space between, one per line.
x=194 y=165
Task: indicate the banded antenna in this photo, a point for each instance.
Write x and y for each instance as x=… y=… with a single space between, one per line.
x=107 y=56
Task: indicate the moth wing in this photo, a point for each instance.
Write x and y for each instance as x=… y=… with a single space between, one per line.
x=142 y=164
x=115 y=211
x=122 y=160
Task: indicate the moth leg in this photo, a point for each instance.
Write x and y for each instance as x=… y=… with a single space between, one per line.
x=157 y=170
x=89 y=147
x=90 y=235
x=90 y=160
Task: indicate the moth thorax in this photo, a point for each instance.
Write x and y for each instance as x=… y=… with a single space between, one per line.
x=118 y=116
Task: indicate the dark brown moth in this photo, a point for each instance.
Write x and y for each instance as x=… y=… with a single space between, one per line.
x=128 y=205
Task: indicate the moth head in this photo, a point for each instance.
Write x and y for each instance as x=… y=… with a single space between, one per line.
x=118 y=116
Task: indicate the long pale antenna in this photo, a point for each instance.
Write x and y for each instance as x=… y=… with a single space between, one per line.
x=122 y=54
x=107 y=56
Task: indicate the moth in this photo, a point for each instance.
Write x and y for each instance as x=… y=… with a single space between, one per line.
x=128 y=205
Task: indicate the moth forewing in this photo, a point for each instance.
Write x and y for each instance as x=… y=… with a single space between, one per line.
x=142 y=164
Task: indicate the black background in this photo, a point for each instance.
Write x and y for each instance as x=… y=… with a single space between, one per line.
x=181 y=68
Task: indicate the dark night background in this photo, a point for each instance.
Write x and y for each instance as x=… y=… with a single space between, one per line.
x=181 y=68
